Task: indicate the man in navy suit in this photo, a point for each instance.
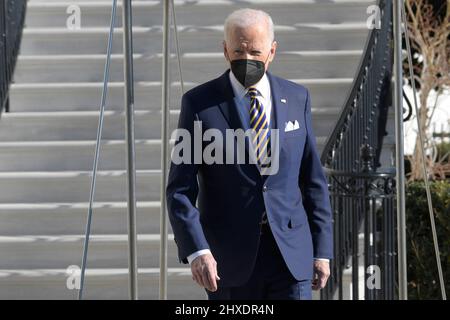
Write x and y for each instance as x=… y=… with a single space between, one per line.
x=255 y=233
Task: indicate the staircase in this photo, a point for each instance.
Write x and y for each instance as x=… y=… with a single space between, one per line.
x=47 y=139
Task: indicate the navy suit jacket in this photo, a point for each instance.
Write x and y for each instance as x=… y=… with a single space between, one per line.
x=232 y=197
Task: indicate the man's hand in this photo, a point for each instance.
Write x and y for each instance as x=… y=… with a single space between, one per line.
x=204 y=271
x=321 y=274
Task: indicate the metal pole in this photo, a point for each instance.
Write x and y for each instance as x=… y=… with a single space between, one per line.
x=399 y=156
x=129 y=125
x=97 y=147
x=177 y=45
x=424 y=169
x=164 y=152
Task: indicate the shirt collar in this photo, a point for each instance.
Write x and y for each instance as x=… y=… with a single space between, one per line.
x=239 y=90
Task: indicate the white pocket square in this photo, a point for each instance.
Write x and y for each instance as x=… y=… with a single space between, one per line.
x=291 y=126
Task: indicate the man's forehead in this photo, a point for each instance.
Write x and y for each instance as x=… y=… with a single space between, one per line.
x=258 y=28
x=247 y=41
x=248 y=44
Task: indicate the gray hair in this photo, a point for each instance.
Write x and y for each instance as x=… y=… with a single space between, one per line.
x=244 y=18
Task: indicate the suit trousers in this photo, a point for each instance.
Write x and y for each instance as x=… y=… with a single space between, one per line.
x=270 y=278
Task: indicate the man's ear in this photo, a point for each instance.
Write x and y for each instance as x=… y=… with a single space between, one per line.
x=225 y=52
x=273 y=49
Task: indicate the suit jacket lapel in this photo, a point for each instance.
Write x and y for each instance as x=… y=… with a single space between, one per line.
x=231 y=113
x=280 y=108
x=229 y=106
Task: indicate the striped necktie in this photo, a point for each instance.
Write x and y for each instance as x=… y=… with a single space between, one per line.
x=258 y=123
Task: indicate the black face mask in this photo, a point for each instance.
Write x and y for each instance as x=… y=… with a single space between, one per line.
x=247 y=72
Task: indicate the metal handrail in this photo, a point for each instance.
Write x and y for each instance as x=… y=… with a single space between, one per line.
x=12 y=17
x=361 y=197
x=381 y=174
x=131 y=170
x=97 y=148
x=365 y=61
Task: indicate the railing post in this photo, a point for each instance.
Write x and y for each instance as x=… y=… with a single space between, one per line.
x=399 y=156
x=367 y=157
x=131 y=169
x=355 y=256
x=164 y=152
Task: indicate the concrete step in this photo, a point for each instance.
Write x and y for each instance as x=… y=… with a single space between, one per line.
x=62 y=251
x=192 y=38
x=56 y=156
x=69 y=218
x=74 y=186
x=198 y=67
x=76 y=155
x=82 y=125
x=145 y=13
x=85 y=96
x=108 y=283
x=69 y=155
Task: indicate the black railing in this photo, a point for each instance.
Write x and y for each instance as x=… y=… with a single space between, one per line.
x=12 y=15
x=363 y=197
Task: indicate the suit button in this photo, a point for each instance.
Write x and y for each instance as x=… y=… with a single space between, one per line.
x=264 y=188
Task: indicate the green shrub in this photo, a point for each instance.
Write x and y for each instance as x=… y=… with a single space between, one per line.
x=423 y=280
x=443 y=151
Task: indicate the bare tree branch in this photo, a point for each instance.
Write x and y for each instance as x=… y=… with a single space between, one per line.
x=429 y=37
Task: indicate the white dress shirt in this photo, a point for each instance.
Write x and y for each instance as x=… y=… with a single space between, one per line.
x=243 y=104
